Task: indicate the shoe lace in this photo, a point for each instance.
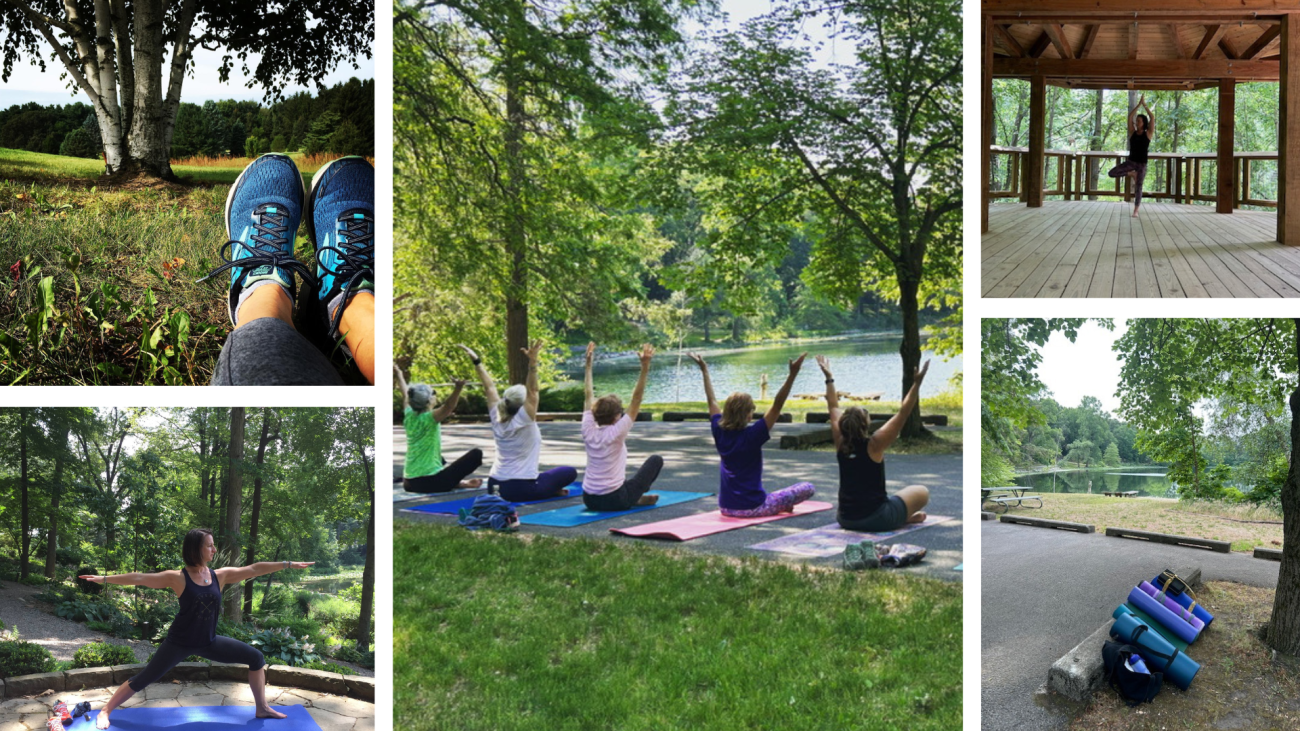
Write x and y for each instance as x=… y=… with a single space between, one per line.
x=356 y=254
x=264 y=248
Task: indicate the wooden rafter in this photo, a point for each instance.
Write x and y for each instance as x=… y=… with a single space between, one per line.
x=1009 y=41
x=1212 y=35
x=1040 y=45
x=1176 y=39
x=1088 y=40
x=1133 y=41
x=1144 y=69
x=1057 y=34
x=1227 y=49
x=1265 y=38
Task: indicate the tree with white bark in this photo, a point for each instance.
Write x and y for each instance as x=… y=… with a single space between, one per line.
x=113 y=51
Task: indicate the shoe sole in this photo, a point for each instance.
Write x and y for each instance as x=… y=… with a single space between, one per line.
x=230 y=199
x=309 y=209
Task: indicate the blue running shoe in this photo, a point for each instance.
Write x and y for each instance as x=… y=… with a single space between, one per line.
x=341 y=223
x=263 y=210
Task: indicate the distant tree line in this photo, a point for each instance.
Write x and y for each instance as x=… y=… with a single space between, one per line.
x=340 y=120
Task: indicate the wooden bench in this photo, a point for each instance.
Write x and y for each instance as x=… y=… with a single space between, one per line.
x=1006 y=501
x=1117 y=493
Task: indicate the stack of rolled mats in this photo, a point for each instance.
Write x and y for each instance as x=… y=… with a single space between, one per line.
x=1161 y=618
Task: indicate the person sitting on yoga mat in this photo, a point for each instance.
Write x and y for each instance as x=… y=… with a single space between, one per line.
x=513 y=416
x=194 y=631
x=605 y=426
x=740 y=444
x=425 y=470
x=1141 y=127
x=864 y=504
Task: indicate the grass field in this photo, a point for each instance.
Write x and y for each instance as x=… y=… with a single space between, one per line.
x=105 y=292
x=1245 y=526
x=518 y=631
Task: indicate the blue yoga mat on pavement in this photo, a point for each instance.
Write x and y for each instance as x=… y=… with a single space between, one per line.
x=575 y=515
x=201 y=718
x=452 y=507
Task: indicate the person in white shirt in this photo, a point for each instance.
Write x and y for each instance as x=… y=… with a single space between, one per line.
x=605 y=426
x=513 y=416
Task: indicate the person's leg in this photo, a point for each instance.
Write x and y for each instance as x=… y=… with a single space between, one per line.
x=267 y=351
x=1122 y=169
x=639 y=485
x=450 y=477
x=227 y=650
x=164 y=658
x=341 y=225
x=556 y=481
x=915 y=497
x=780 y=501
x=262 y=302
x=1139 y=178
x=357 y=325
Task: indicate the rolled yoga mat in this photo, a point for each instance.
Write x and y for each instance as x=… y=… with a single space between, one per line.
x=1167 y=612
x=201 y=718
x=1160 y=656
x=1185 y=601
x=1170 y=637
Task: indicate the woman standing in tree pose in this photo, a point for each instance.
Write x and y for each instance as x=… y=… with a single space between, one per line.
x=740 y=444
x=864 y=504
x=425 y=470
x=1140 y=129
x=194 y=631
x=519 y=442
x=605 y=426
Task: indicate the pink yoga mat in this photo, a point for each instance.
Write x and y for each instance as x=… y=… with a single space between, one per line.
x=704 y=524
x=829 y=540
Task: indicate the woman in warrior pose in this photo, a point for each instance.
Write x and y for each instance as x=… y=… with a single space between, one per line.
x=1140 y=129
x=194 y=631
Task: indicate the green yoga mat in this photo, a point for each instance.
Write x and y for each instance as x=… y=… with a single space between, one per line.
x=1159 y=628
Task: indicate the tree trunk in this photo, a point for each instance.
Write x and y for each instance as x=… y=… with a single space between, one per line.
x=910 y=350
x=1284 y=626
x=56 y=491
x=1096 y=143
x=368 y=575
x=516 y=231
x=23 y=416
x=257 y=508
x=230 y=536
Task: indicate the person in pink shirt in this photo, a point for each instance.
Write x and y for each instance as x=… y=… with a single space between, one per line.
x=605 y=426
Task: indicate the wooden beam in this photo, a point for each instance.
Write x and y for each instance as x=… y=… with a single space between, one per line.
x=1040 y=45
x=1037 y=143
x=1263 y=7
x=1288 y=164
x=1009 y=41
x=1227 y=49
x=1262 y=42
x=1176 y=39
x=1039 y=17
x=1225 y=178
x=986 y=122
x=1119 y=68
x=1132 y=41
x=1057 y=34
x=1212 y=35
x=1088 y=40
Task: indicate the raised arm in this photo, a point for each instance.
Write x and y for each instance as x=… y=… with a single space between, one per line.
x=708 y=385
x=1151 y=119
x=888 y=434
x=778 y=403
x=448 y=408
x=485 y=378
x=234 y=575
x=647 y=352
x=588 y=390
x=161 y=580
x=401 y=385
x=1132 y=115
x=832 y=399
x=534 y=395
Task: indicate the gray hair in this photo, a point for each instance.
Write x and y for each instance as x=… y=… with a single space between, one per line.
x=420 y=395
x=511 y=401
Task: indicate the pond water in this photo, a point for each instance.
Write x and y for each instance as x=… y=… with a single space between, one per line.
x=860 y=364
x=1148 y=481
x=330 y=584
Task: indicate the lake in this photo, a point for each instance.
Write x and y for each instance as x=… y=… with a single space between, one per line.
x=1148 y=481
x=860 y=364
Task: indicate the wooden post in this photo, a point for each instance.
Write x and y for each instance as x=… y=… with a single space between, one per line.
x=1225 y=172
x=1288 y=149
x=1037 y=131
x=986 y=122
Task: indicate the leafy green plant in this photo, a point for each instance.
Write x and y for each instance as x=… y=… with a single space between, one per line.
x=241 y=631
x=24 y=658
x=85 y=610
x=348 y=653
x=102 y=654
x=34 y=580
x=282 y=644
x=299 y=626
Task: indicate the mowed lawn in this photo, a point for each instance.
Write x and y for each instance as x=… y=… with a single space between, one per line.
x=522 y=631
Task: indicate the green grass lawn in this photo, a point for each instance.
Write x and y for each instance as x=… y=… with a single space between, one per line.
x=521 y=631
x=24 y=165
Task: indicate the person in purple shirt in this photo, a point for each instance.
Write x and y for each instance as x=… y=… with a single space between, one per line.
x=740 y=440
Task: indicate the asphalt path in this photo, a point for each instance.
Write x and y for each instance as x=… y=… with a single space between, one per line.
x=1044 y=591
x=691 y=463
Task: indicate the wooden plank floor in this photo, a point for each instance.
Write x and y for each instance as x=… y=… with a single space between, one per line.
x=1096 y=249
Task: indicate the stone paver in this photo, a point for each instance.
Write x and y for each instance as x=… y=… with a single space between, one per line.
x=333 y=713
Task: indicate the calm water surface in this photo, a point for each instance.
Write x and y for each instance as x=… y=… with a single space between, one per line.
x=1148 y=481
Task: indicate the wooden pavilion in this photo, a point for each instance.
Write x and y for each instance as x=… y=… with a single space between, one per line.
x=1150 y=45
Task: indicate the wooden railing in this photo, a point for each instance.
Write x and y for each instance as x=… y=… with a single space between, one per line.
x=1175 y=176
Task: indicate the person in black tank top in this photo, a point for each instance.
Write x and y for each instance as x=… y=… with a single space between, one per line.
x=194 y=631
x=1141 y=127
x=864 y=504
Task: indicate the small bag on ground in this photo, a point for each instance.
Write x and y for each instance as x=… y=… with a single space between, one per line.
x=1128 y=674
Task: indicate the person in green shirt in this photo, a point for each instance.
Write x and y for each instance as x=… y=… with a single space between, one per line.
x=425 y=470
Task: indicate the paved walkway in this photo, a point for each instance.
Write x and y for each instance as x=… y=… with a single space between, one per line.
x=332 y=713
x=1043 y=591
x=37 y=623
x=691 y=463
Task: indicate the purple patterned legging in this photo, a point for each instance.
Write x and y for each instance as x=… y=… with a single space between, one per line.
x=1139 y=170
x=780 y=501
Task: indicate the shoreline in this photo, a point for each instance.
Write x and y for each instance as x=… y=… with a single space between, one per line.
x=575 y=361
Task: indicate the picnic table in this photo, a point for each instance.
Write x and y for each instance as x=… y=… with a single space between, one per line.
x=1117 y=493
x=1011 y=495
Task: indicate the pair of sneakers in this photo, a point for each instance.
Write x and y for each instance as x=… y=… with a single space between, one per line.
x=263 y=210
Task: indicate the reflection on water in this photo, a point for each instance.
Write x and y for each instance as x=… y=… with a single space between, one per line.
x=329 y=585
x=861 y=365
x=1153 y=483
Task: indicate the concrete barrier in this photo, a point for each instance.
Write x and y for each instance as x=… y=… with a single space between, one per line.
x=810 y=438
x=541 y=416
x=1271 y=554
x=1043 y=523
x=986 y=515
x=704 y=416
x=822 y=417
x=282 y=675
x=1172 y=540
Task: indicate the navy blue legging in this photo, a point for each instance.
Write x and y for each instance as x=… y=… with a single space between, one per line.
x=546 y=485
x=222 y=649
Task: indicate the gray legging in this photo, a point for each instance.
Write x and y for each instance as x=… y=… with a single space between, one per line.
x=627 y=495
x=268 y=352
x=222 y=649
x=1140 y=175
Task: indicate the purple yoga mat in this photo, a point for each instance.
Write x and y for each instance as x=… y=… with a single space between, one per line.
x=1172 y=619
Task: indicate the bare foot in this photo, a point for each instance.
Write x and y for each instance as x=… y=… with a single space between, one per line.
x=101 y=721
x=918 y=517
x=1135 y=213
x=269 y=712
x=647 y=500
x=788 y=509
x=471 y=484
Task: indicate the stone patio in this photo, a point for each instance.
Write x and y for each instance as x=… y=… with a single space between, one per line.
x=331 y=712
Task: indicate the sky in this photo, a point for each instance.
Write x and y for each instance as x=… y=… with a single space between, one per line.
x=1086 y=367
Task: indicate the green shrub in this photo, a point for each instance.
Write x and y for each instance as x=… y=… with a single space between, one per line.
x=19 y=657
x=298 y=626
x=86 y=609
x=196 y=658
x=349 y=653
x=282 y=644
x=241 y=631
x=58 y=593
x=102 y=654
x=273 y=601
x=330 y=667
x=104 y=627
x=352 y=593
x=333 y=610
x=34 y=580
x=568 y=398
x=89 y=587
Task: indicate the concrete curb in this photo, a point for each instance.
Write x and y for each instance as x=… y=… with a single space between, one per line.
x=986 y=515
x=1043 y=523
x=1189 y=541
x=353 y=686
x=1269 y=554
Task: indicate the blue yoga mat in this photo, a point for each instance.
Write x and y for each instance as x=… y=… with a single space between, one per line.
x=452 y=507
x=1158 y=654
x=579 y=515
x=201 y=718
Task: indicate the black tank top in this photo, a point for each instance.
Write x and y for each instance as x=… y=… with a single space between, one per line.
x=196 y=622
x=862 y=484
x=1137 y=147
